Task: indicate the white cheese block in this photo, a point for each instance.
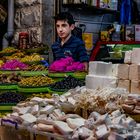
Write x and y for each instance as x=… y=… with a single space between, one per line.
x=43 y=119
x=119 y=120
x=16 y=109
x=71 y=100
x=63 y=98
x=115 y=70
x=116 y=113
x=74 y=123
x=37 y=99
x=121 y=71
x=15 y=114
x=84 y=133
x=31 y=103
x=116 y=136
x=135 y=87
x=67 y=94
x=136 y=55
x=24 y=110
x=100 y=68
x=28 y=118
x=134 y=72
x=58 y=113
x=35 y=109
x=104 y=118
x=128 y=57
x=44 y=127
x=124 y=84
x=134 y=96
x=49 y=101
x=99 y=82
x=63 y=127
x=102 y=132
x=21 y=104
x=47 y=110
x=130 y=122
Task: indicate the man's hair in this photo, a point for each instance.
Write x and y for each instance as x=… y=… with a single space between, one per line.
x=66 y=16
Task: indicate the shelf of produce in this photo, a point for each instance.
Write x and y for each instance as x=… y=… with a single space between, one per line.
x=59 y=74
x=32 y=89
x=8 y=86
x=59 y=92
x=78 y=75
x=33 y=73
x=99 y=43
x=83 y=6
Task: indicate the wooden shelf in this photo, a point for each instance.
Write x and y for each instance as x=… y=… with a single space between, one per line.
x=83 y=6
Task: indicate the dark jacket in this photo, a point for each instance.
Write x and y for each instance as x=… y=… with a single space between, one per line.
x=74 y=48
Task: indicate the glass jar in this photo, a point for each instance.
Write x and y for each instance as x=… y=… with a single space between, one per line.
x=23 y=40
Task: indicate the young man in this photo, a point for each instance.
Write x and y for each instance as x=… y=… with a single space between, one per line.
x=67 y=44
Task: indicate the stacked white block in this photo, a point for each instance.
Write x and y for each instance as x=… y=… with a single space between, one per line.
x=100 y=75
x=100 y=68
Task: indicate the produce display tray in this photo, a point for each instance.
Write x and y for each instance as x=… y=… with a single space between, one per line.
x=78 y=75
x=59 y=74
x=54 y=91
x=33 y=90
x=6 y=106
x=8 y=87
x=33 y=73
x=6 y=54
x=36 y=50
x=9 y=71
x=32 y=62
x=43 y=86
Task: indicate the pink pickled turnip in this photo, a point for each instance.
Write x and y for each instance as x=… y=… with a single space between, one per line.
x=14 y=65
x=65 y=65
x=81 y=67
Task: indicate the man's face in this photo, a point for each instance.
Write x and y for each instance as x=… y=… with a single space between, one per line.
x=63 y=28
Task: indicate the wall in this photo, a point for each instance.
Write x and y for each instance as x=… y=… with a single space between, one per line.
x=35 y=17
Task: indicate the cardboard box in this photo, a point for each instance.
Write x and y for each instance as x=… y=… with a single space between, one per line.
x=134 y=72
x=135 y=87
x=135 y=56
x=124 y=84
x=123 y=71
